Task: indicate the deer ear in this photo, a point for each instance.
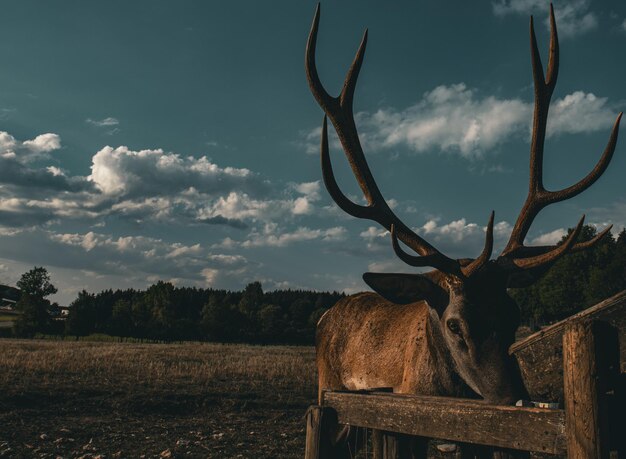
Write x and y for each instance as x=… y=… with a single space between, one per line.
x=406 y=288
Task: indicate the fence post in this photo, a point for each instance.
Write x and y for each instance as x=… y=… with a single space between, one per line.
x=388 y=445
x=588 y=361
x=320 y=423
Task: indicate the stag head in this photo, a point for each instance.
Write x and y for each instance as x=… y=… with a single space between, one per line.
x=473 y=319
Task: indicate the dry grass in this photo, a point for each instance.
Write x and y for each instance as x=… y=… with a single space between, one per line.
x=214 y=400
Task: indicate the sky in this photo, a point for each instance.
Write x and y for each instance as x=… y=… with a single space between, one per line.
x=178 y=140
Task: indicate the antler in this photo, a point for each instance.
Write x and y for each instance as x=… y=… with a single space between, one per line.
x=538 y=197
x=339 y=110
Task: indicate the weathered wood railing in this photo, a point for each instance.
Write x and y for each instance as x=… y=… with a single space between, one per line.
x=591 y=390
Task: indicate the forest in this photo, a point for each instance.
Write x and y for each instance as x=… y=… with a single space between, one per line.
x=168 y=313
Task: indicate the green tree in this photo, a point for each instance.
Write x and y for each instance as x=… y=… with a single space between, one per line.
x=220 y=320
x=251 y=300
x=160 y=299
x=270 y=323
x=35 y=286
x=36 y=283
x=122 y=318
x=34 y=317
x=81 y=319
x=249 y=306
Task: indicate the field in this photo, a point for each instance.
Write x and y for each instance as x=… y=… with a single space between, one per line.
x=84 y=399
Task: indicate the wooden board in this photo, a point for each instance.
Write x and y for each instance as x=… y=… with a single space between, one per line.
x=540 y=355
x=454 y=419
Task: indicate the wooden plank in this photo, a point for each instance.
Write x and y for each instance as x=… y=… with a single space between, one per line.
x=586 y=381
x=610 y=310
x=462 y=420
x=540 y=356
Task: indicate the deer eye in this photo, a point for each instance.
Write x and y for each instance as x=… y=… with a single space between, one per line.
x=454 y=326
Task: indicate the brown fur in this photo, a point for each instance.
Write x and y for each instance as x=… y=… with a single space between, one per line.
x=365 y=341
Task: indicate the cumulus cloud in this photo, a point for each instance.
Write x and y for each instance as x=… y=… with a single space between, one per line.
x=141 y=185
x=272 y=236
x=24 y=180
x=142 y=256
x=579 y=112
x=43 y=143
x=457 y=119
x=550 y=238
x=117 y=171
x=28 y=150
x=573 y=17
x=309 y=189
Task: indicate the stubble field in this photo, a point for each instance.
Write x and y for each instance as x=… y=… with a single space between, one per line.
x=85 y=399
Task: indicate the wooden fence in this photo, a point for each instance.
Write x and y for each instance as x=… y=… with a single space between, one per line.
x=585 y=361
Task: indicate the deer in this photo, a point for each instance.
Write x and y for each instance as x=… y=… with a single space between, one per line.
x=445 y=332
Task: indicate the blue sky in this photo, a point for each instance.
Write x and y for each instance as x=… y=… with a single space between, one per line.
x=168 y=140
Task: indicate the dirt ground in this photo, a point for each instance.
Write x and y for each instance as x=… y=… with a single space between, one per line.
x=89 y=400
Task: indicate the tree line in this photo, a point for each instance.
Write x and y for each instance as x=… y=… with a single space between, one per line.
x=166 y=312
x=169 y=313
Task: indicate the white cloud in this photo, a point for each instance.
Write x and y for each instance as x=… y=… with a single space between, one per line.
x=7 y=143
x=572 y=17
x=272 y=236
x=311 y=140
x=456 y=119
x=28 y=150
x=151 y=186
x=120 y=170
x=302 y=206
x=134 y=255
x=550 y=238
x=179 y=250
x=309 y=189
x=579 y=112
x=109 y=121
x=43 y=143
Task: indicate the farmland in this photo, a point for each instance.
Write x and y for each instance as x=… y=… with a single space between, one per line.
x=72 y=399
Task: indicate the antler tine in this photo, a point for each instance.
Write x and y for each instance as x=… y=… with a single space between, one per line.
x=593 y=241
x=339 y=111
x=538 y=197
x=552 y=255
x=411 y=260
x=479 y=262
x=596 y=172
x=349 y=85
x=335 y=192
x=533 y=250
x=320 y=94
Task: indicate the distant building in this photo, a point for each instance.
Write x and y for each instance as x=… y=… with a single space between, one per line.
x=8 y=297
x=57 y=312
